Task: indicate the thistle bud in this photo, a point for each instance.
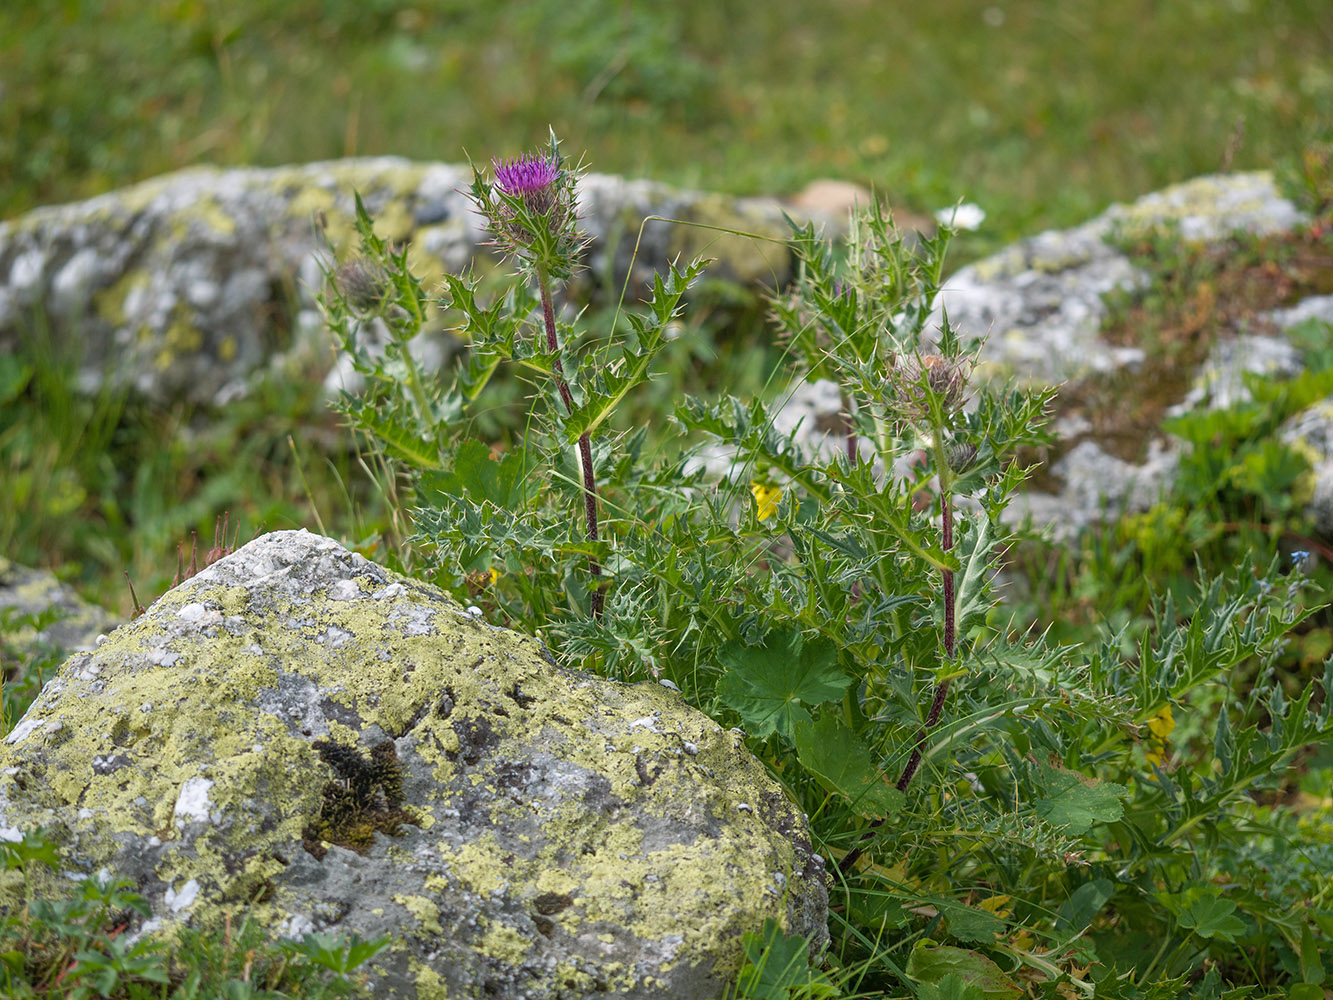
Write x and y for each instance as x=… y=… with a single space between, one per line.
x=363 y=282
x=914 y=381
x=961 y=456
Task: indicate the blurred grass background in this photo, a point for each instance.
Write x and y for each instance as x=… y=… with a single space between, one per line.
x=1041 y=111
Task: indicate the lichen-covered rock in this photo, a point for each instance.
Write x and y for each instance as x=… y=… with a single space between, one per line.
x=25 y=591
x=302 y=732
x=1040 y=303
x=186 y=285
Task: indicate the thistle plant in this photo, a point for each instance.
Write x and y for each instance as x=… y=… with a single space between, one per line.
x=530 y=210
x=997 y=808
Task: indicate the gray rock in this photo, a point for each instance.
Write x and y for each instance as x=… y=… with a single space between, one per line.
x=1096 y=484
x=1220 y=381
x=1318 y=307
x=1311 y=433
x=188 y=285
x=1040 y=303
x=344 y=749
x=25 y=591
x=1041 y=306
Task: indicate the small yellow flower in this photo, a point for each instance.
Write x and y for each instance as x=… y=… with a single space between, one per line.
x=482 y=579
x=1161 y=726
x=766 y=498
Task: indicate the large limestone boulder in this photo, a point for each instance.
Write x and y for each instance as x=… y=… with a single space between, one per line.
x=298 y=731
x=187 y=285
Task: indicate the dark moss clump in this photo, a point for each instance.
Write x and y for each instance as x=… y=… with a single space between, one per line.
x=364 y=797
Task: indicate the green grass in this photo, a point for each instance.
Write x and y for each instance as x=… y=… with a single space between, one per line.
x=1040 y=112
x=102 y=486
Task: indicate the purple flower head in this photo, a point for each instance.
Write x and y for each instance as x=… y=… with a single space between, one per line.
x=531 y=211
x=525 y=175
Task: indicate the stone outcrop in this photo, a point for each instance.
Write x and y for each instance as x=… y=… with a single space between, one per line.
x=1041 y=305
x=25 y=591
x=187 y=285
x=298 y=731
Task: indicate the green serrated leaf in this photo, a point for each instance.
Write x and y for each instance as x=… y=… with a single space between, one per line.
x=931 y=963
x=1074 y=802
x=33 y=847
x=505 y=480
x=771 y=684
x=844 y=765
x=399 y=440
x=967 y=923
x=1213 y=918
x=951 y=987
x=1199 y=907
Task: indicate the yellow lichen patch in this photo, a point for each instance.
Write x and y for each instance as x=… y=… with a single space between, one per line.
x=110 y=301
x=208 y=212
x=394 y=222
x=480 y=866
x=312 y=200
x=557 y=882
x=754 y=252
x=427 y=914
x=429 y=984
x=573 y=979
x=505 y=943
x=182 y=335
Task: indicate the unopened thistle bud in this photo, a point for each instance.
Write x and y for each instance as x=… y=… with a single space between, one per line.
x=362 y=281
x=961 y=456
x=913 y=381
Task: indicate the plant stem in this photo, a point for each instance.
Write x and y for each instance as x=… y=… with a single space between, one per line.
x=941 y=689
x=950 y=640
x=596 y=597
x=849 y=427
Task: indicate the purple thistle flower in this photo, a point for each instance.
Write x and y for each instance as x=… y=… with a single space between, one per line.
x=525 y=175
x=530 y=207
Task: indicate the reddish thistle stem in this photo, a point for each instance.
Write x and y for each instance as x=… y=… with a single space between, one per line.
x=941 y=689
x=596 y=597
